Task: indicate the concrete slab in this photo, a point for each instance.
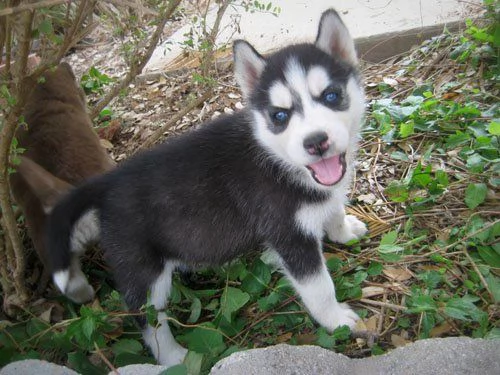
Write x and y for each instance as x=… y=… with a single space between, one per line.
x=298 y=22
x=450 y=356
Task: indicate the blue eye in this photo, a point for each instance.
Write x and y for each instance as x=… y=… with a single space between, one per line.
x=280 y=117
x=330 y=96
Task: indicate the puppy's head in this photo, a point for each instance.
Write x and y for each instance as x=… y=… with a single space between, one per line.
x=306 y=101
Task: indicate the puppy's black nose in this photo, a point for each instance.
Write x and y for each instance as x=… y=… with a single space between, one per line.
x=317 y=143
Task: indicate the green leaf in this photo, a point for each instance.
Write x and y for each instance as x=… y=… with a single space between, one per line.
x=127 y=346
x=421 y=177
x=475 y=163
x=88 y=327
x=325 y=340
x=257 y=279
x=45 y=27
x=494 y=128
x=342 y=333
x=463 y=309
x=193 y=362
x=195 y=311
x=388 y=243
x=494 y=334
x=397 y=191
x=406 y=129
x=375 y=269
x=490 y=256
x=268 y=302
x=205 y=339
x=422 y=303
x=125 y=359
x=176 y=370
x=232 y=300
x=475 y=195
x=494 y=285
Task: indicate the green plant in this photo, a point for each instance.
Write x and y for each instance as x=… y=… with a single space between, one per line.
x=94 y=81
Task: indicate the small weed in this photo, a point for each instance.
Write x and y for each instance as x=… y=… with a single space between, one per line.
x=94 y=81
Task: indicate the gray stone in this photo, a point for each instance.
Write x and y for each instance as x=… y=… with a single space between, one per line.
x=449 y=356
x=140 y=369
x=35 y=366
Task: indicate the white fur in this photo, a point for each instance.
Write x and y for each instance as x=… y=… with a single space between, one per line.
x=318 y=295
x=330 y=216
x=160 y=290
x=344 y=228
x=85 y=231
x=317 y=80
x=163 y=345
x=61 y=279
x=280 y=96
x=73 y=283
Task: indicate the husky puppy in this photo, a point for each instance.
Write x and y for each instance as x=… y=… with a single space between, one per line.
x=273 y=175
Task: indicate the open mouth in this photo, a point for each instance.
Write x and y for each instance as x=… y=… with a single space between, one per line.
x=328 y=171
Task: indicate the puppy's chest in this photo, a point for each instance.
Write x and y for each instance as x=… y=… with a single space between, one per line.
x=312 y=217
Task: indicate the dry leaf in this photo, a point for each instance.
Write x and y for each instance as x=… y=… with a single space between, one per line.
x=306 y=339
x=399 y=340
x=441 y=330
x=370 y=291
x=284 y=337
x=371 y=323
x=397 y=273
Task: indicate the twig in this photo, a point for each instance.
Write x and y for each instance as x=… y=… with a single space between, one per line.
x=30 y=6
x=138 y=64
x=179 y=115
x=105 y=360
x=133 y=5
x=383 y=304
x=479 y=274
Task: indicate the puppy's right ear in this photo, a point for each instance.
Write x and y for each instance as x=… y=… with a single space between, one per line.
x=248 y=66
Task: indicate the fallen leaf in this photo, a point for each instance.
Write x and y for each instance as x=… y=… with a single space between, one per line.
x=284 y=337
x=370 y=291
x=360 y=326
x=399 y=340
x=371 y=323
x=441 y=330
x=397 y=273
x=306 y=339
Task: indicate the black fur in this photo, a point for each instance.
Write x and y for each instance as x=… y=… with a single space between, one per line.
x=190 y=200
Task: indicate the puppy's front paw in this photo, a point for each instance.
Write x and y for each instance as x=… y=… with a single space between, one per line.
x=356 y=226
x=352 y=228
x=344 y=316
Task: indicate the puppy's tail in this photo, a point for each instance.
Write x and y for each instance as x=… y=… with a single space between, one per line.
x=72 y=225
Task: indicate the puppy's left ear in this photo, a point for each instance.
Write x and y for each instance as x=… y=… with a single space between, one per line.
x=334 y=38
x=248 y=66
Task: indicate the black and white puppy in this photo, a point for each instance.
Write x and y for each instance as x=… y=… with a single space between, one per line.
x=274 y=175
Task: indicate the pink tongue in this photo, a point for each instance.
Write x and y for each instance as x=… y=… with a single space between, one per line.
x=328 y=171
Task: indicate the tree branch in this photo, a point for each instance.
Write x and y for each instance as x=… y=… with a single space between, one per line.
x=30 y=6
x=138 y=64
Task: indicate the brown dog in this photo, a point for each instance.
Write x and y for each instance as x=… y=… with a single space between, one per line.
x=61 y=149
